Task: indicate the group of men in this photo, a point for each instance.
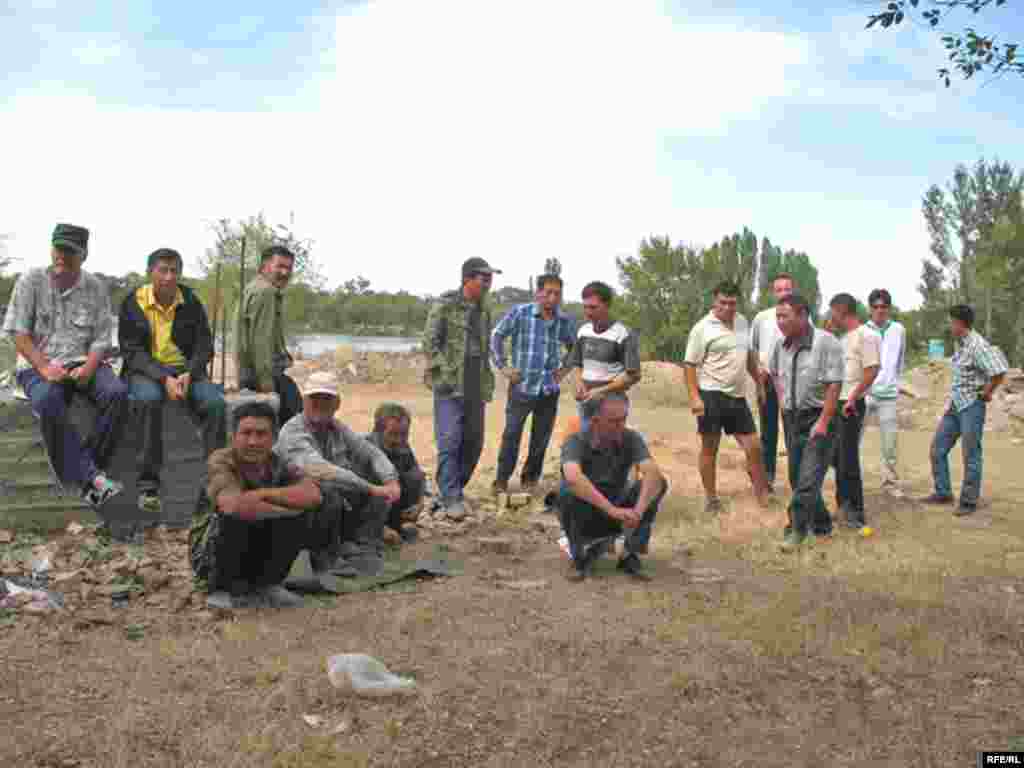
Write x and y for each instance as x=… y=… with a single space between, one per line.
x=315 y=484
x=825 y=389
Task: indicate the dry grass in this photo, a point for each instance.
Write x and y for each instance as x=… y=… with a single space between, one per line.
x=902 y=648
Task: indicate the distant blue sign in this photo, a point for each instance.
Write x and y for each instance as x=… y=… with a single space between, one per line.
x=936 y=349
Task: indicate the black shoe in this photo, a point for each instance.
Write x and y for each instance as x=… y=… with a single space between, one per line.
x=936 y=498
x=965 y=509
x=633 y=567
x=582 y=567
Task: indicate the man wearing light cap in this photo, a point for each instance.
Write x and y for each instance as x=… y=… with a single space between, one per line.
x=61 y=321
x=356 y=477
x=458 y=372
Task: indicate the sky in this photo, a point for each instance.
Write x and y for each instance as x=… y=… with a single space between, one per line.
x=404 y=136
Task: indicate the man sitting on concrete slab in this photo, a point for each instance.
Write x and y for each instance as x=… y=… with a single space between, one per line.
x=256 y=513
x=391 y=423
x=348 y=464
x=61 y=322
x=597 y=500
x=166 y=344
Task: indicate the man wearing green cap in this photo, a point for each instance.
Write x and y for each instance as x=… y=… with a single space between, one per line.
x=459 y=374
x=61 y=321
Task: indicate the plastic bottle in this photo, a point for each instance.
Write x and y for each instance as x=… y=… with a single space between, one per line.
x=366 y=676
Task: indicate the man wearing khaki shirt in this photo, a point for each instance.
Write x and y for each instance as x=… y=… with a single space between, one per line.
x=806 y=367
x=716 y=363
x=862 y=358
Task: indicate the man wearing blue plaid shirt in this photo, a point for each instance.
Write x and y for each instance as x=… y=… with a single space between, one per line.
x=978 y=369
x=538 y=332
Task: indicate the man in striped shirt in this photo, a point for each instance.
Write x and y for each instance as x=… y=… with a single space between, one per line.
x=538 y=332
x=978 y=369
x=607 y=353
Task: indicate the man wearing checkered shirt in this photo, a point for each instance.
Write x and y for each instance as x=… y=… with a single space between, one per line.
x=978 y=369
x=539 y=333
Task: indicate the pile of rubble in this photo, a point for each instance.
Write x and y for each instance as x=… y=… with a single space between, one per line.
x=926 y=396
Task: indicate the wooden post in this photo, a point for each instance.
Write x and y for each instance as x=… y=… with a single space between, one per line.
x=213 y=326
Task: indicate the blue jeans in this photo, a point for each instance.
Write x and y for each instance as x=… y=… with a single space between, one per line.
x=519 y=406
x=75 y=461
x=205 y=401
x=966 y=425
x=459 y=434
x=769 y=413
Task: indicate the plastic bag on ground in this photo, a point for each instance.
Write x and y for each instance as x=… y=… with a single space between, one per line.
x=366 y=676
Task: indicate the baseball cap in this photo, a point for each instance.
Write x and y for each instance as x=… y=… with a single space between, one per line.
x=71 y=236
x=321 y=383
x=477 y=265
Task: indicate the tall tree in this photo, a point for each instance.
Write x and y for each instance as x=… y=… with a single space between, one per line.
x=969 y=52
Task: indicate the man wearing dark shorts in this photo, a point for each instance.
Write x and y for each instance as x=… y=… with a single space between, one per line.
x=717 y=359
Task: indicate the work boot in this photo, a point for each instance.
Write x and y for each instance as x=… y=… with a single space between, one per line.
x=633 y=567
x=277 y=596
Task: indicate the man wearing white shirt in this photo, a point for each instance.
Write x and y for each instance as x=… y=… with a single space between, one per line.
x=764 y=332
x=883 y=398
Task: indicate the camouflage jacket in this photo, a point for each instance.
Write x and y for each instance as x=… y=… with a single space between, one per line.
x=445 y=340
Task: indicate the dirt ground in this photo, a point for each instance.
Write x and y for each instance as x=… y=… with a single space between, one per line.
x=903 y=648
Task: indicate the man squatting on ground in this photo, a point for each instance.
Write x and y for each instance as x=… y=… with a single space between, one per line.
x=166 y=344
x=596 y=500
x=459 y=374
x=606 y=354
x=807 y=369
x=263 y=355
x=861 y=361
x=538 y=331
x=978 y=370
x=391 y=425
x=883 y=398
x=764 y=332
x=256 y=513
x=716 y=363
x=364 y=483
x=61 y=321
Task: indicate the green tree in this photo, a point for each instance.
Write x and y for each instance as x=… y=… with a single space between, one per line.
x=969 y=52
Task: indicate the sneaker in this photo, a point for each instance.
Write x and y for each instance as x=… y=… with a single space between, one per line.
x=792 y=541
x=456 y=510
x=101 y=490
x=581 y=569
x=633 y=567
x=277 y=596
x=713 y=505
x=937 y=498
x=149 y=502
x=964 y=509
x=853 y=525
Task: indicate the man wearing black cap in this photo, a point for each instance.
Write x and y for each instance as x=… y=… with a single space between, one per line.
x=61 y=322
x=459 y=373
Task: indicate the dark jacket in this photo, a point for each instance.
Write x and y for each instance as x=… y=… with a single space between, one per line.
x=190 y=332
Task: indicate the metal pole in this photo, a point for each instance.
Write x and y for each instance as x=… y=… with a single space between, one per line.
x=216 y=307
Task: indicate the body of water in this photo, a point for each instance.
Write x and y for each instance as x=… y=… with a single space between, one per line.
x=317 y=343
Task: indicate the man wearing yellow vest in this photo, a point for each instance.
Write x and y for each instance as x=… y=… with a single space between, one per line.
x=166 y=344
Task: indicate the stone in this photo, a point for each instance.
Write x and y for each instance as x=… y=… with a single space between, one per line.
x=498 y=545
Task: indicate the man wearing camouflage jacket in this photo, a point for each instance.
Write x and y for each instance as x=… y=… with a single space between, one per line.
x=459 y=374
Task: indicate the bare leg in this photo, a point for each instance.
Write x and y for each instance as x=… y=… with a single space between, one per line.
x=755 y=468
x=708 y=460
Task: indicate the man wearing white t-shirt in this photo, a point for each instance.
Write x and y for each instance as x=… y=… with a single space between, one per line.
x=764 y=332
x=883 y=397
x=717 y=361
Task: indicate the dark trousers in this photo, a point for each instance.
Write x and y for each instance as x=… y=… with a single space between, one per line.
x=769 y=413
x=259 y=553
x=809 y=460
x=459 y=434
x=205 y=401
x=585 y=525
x=518 y=407
x=291 y=398
x=412 y=484
x=849 y=483
x=77 y=461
